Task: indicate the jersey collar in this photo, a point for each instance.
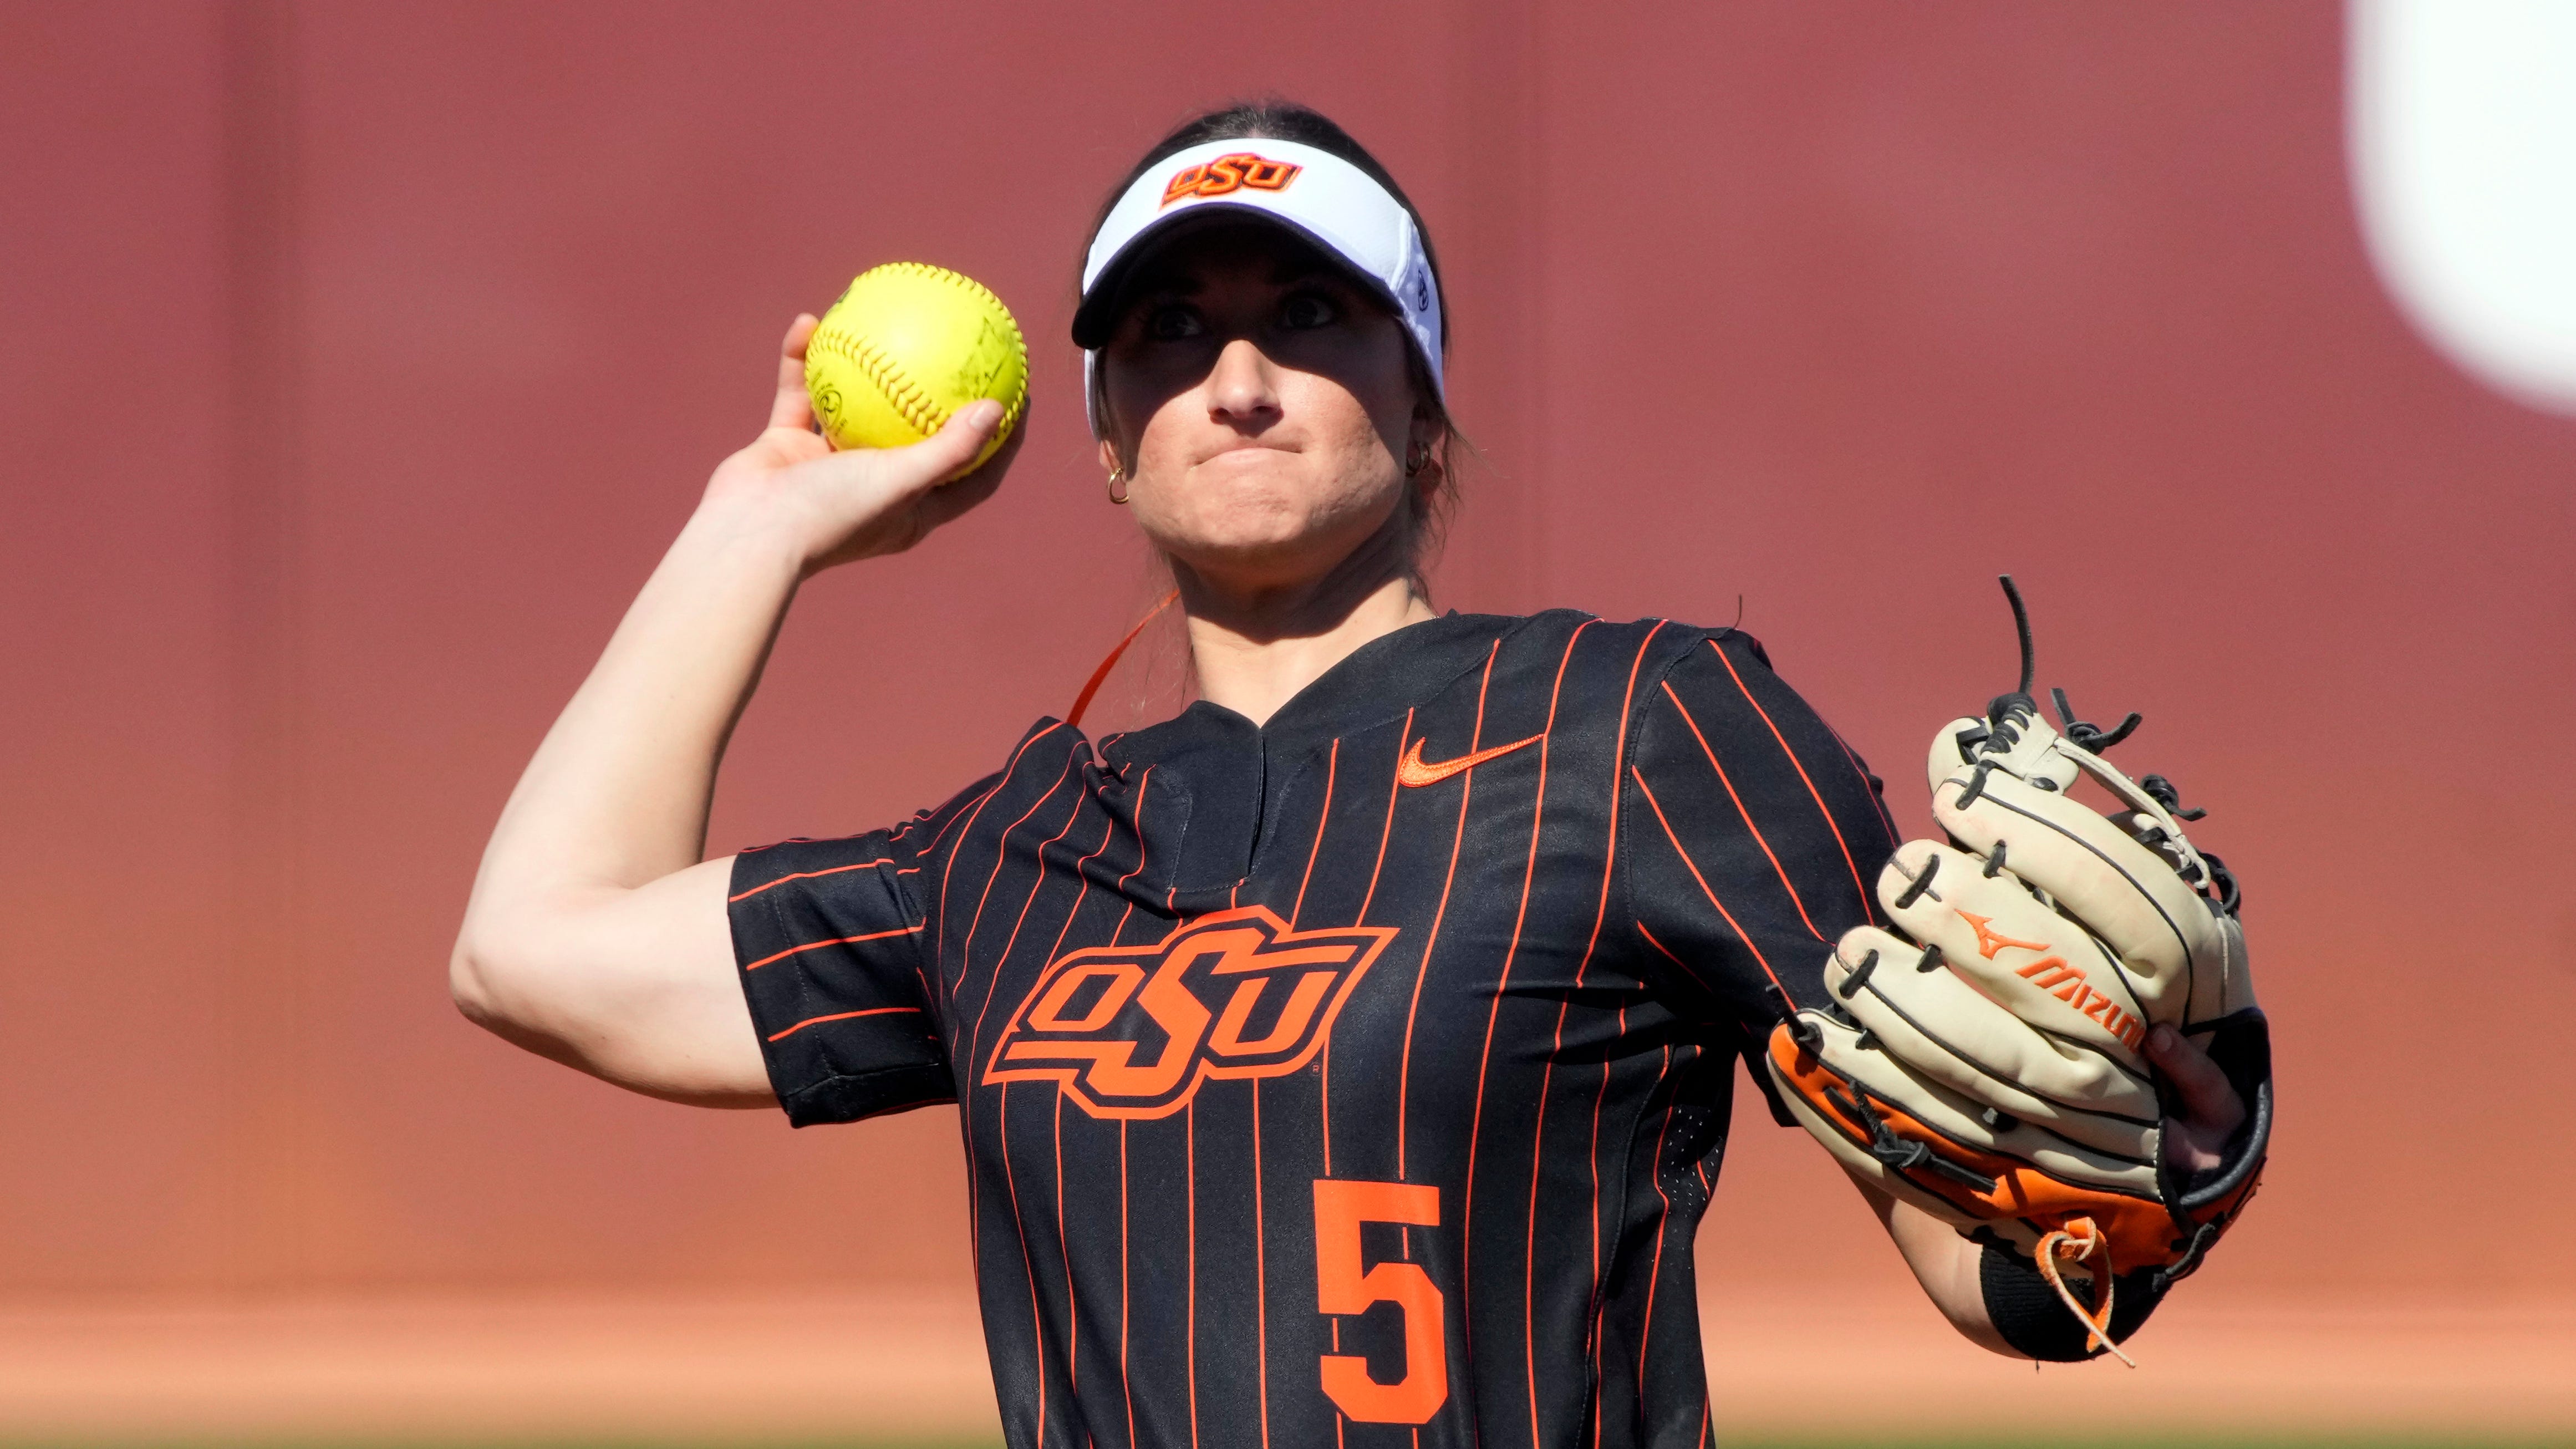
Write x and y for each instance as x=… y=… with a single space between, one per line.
x=1372 y=685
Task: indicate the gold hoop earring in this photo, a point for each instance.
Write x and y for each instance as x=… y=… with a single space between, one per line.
x=1116 y=476
x=1416 y=458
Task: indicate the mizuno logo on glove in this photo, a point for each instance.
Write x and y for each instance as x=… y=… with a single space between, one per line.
x=2051 y=974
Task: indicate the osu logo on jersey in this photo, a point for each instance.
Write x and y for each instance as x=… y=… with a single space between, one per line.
x=1131 y=1031
x=1230 y=173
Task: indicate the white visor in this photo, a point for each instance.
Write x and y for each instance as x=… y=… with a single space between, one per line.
x=1317 y=194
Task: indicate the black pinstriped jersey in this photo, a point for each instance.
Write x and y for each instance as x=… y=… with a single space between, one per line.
x=1357 y=1079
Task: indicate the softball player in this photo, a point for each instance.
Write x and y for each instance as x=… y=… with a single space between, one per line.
x=1346 y=1060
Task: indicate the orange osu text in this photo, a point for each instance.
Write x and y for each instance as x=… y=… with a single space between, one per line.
x=1131 y=1031
x=1230 y=173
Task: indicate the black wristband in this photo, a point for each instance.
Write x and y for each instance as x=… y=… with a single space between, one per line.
x=2036 y=1322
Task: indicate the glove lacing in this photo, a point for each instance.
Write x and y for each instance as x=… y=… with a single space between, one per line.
x=2077 y=1242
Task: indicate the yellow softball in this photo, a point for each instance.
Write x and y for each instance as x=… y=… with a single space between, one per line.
x=905 y=346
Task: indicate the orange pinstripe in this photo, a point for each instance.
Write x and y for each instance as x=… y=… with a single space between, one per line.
x=1332 y=768
x=954 y=816
x=808 y=875
x=1654 y=1273
x=1758 y=838
x=1037 y=1323
x=975 y=1038
x=840 y=1016
x=1648 y=1331
x=1796 y=764
x=1001 y=852
x=1704 y=890
x=1332 y=771
x=1600 y=913
x=1064 y=1250
x=1190 y=1128
x=1081 y=892
x=1386 y=829
x=1493 y=1013
x=1260 y=1277
x=1618 y=766
x=939 y=942
x=1668 y=955
x=1143 y=848
x=965 y=967
x=1116 y=936
x=835 y=941
x=1125 y=1392
x=1878 y=806
x=966 y=962
x=1338 y=1418
x=1440 y=912
x=1547 y=1070
x=974 y=1200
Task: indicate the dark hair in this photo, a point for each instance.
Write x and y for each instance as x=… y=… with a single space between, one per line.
x=1275 y=118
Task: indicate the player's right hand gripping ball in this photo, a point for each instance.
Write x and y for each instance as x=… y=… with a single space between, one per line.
x=1987 y=1064
x=906 y=346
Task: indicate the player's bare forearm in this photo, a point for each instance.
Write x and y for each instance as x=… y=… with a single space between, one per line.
x=573 y=944
x=594 y=935
x=1948 y=1266
x=617 y=794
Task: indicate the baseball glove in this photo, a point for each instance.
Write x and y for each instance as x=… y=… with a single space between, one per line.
x=1985 y=1060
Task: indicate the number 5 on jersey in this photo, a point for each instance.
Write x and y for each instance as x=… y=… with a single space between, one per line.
x=1344 y=1286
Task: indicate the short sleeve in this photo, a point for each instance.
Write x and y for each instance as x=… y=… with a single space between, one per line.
x=1749 y=838
x=827 y=934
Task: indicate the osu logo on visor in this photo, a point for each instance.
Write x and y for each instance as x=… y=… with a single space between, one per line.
x=1131 y=1031
x=1230 y=173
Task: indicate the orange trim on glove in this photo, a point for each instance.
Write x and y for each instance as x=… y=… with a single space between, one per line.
x=2136 y=1232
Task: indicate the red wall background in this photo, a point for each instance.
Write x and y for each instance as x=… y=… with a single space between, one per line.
x=360 y=359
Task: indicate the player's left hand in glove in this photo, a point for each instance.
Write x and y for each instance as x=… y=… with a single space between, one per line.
x=1989 y=1064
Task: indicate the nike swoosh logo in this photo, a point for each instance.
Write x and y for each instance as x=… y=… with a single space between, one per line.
x=1411 y=771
